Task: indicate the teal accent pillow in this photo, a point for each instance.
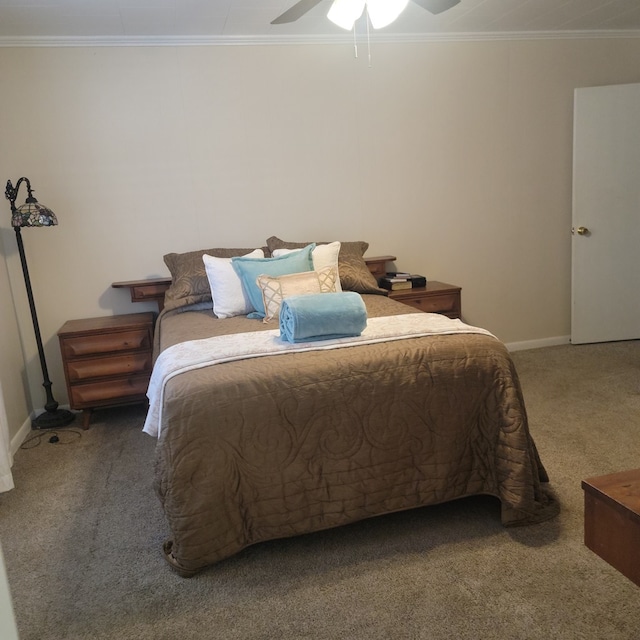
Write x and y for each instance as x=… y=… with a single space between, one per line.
x=250 y=268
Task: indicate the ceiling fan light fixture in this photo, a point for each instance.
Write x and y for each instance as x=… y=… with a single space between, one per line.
x=344 y=13
x=383 y=12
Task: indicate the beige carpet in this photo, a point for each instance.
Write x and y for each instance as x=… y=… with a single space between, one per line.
x=82 y=533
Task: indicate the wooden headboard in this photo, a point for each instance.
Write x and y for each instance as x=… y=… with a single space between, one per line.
x=153 y=289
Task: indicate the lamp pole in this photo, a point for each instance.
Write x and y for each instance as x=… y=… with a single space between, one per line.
x=52 y=417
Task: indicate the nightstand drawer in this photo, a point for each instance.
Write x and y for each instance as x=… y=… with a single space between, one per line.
x=131 y=340
x=436 y=297
x=87 y=369
x=442 y=303
x=97 y=393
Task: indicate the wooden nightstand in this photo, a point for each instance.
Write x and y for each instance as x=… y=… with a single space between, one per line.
x=436 y=297
x=107 y=361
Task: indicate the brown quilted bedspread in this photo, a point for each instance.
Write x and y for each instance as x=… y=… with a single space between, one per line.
x=279 y=446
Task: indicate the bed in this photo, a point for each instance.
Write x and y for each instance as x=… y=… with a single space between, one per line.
x=261 y=446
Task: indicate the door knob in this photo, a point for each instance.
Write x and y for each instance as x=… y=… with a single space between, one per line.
x=581 y=231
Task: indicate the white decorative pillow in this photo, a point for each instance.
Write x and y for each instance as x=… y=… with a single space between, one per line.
x=276 y=288
x=229 y=298
x=324 y=255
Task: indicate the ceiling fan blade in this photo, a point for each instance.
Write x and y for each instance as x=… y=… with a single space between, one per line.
x=296 y=11
x=436 y=6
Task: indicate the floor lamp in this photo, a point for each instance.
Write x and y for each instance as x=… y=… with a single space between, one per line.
x=33 y=214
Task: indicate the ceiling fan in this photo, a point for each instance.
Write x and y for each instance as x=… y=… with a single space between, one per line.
x=303 y=6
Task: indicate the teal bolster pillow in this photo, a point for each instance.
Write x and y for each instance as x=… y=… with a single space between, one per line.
x=322 y=316
x=250 y=268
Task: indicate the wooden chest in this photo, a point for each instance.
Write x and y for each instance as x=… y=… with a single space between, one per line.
x=612 y=520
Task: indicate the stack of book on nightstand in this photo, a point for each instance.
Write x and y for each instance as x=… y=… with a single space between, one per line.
x=397 y=280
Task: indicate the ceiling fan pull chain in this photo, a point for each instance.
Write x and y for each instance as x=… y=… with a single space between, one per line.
x=355 y=42
x=368 y=39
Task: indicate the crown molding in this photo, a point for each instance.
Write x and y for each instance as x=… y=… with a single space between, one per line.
x=190 y=41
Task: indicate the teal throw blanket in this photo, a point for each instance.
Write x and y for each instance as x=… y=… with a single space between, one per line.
x=322 y=316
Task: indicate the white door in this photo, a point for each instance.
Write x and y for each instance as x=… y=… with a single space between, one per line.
x=605 y=277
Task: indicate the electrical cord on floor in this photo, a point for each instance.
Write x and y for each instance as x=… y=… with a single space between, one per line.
x=54 y=436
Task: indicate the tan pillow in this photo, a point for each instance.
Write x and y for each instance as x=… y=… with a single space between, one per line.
x=276 y=288
x=189 y=279
x=354 y=273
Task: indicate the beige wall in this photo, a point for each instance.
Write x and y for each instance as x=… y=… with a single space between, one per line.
x=456 y=157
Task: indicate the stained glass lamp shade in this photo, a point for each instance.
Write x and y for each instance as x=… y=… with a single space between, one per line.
x=33 y=214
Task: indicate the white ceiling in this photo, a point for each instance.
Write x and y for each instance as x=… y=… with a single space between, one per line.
x=249 y=20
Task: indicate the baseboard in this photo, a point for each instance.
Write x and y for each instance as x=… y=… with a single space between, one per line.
x=21 y=436
x=538 y=344
x=25 y=430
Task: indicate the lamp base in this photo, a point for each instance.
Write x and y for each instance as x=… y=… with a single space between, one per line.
x=53 y=419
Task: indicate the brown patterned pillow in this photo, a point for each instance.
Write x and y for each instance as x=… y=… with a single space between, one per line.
x=189 y=279
x=354 y=273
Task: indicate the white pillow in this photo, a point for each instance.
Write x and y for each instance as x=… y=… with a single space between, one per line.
x=229 y=298
x=324 y=255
